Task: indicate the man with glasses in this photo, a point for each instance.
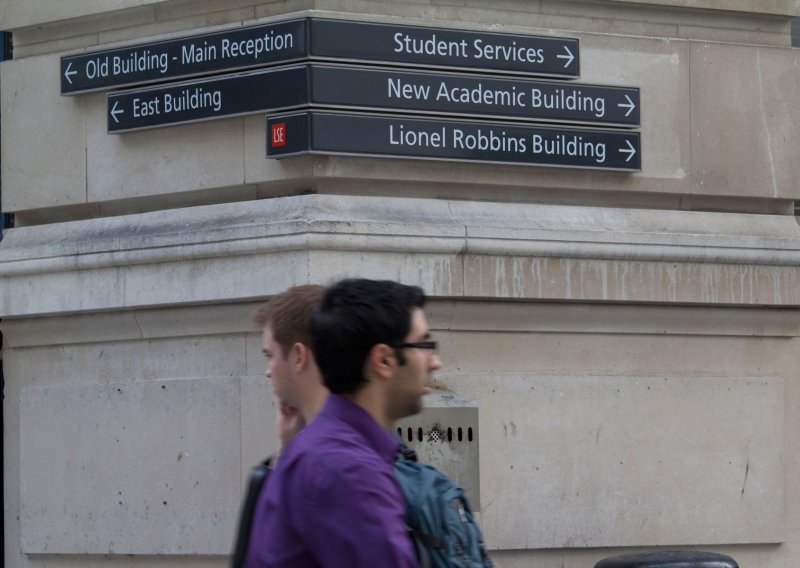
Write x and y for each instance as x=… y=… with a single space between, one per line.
x=333 y=499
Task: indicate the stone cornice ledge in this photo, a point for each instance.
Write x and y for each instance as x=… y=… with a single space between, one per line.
x=467 y=236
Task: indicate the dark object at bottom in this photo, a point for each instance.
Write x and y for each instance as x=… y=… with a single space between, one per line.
x=258 y=476
x=669 y=559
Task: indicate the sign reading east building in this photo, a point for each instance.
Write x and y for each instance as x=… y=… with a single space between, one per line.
x=337 y=86
x=312 y=38
x=496 y=142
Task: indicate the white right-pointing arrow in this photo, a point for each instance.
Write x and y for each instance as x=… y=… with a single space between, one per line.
x=630 y=150
x=115 y=112
x=569 y=57
x=68 y=73
x=629 y=105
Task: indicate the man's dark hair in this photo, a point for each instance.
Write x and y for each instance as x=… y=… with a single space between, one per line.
x=289 y=315
x=353 y=316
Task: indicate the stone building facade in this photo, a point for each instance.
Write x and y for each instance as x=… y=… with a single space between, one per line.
x=630 y=338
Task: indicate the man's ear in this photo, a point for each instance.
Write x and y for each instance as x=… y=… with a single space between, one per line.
x=299 y=355
x=381 y=361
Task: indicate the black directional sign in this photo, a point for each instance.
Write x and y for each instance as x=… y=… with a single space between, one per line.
x=436 y=47
x=402 y=136
x=159 y=61
x=311 y=38
x=191 y=101
x=335 y=86
x=447 y=93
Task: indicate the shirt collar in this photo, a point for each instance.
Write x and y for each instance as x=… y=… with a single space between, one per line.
x=385 y=443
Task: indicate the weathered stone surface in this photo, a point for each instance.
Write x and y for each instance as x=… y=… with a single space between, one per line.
x=778 y=7
x=138 y=467
x=24 y=14
x=452 y=248
x=631 y=461
x=150 y=162
x=744 y=131
x=43 y=129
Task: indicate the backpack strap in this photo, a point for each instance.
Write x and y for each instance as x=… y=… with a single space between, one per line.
x=419 y=539
x=258 y=476
x=404 y=453
x=426 y=538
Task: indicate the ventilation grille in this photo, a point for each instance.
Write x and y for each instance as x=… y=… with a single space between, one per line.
x=436 y=434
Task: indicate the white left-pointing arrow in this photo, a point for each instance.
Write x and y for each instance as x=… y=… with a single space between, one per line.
x=68 y=72
x=569 y=57
x=629 y=105
x=115 y=112
x=630 y=150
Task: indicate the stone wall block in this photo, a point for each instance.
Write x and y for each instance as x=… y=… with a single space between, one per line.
x=660 y=68
x=674 y=355
x=130 y=468
x=15 y=15
x=167 y=160
x=101 y=289
x=259 y=433
x=438 y=275
x=633 y=461
x=215 y=280
x=44 y=128
x=121 y=361
x=776 y=7
x=565 y=279
x=744 y=134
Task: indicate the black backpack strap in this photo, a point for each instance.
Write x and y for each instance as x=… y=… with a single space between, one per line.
x=405 y=453
x=426 y=539
x=258 y=476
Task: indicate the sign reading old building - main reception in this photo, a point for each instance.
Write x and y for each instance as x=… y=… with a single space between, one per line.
x=500 y=142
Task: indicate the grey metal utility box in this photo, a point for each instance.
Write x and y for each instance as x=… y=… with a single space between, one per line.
x=445 y=435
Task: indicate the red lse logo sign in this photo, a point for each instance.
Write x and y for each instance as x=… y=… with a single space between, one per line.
x=279 y=134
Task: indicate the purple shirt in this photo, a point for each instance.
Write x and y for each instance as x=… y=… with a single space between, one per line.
x=333 y=499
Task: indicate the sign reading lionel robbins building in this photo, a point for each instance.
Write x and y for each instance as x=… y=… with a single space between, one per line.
x=376 y=135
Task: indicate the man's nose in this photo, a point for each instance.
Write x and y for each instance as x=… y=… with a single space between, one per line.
x=436 y=362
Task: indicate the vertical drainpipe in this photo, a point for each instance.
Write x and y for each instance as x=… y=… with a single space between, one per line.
x=6 y=219
x=5 y=222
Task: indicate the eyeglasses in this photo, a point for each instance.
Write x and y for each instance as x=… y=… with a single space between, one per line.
x=432 y=345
